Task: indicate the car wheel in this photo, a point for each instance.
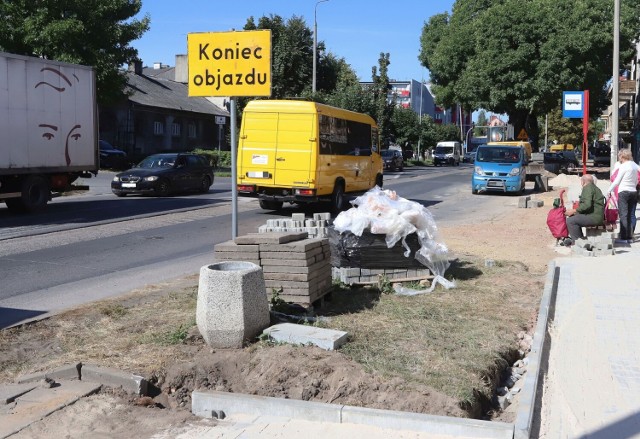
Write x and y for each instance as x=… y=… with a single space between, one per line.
x=379 y=180
x=474 y=191
x=120 y=194
x=270 y=204
x=337 y=198
x=163 y=189
x=401 y=167
x=205 y=184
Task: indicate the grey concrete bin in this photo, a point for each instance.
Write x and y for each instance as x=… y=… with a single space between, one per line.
x=232 y=303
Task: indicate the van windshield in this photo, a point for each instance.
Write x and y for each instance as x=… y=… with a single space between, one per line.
x=498 y=154
x=444 y=149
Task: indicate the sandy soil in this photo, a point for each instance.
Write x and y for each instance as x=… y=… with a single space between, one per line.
x=511 y=234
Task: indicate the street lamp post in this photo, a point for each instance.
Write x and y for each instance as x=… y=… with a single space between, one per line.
x=315 y=42
x=616 y=85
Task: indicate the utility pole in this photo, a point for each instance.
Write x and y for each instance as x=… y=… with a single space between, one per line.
x=315 y=43
x=616 y=85
x=420 y=115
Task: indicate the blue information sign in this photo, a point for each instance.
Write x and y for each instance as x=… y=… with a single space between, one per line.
x=573 y=104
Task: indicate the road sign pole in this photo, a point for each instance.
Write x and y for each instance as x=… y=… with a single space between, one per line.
x=234 y=171
x=585 y=132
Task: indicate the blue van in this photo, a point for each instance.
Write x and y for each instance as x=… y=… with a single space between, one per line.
x=499 y=168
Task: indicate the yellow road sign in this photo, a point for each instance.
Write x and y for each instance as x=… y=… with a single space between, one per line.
x=523 y=135
x=229 y=63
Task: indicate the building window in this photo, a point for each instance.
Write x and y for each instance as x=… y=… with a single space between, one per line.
x=175 y=129
x=158 y=128
x=192 y=130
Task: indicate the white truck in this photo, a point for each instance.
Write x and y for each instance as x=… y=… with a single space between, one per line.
x=49 y=127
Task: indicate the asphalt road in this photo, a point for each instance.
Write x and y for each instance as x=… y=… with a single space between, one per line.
x=91 y=246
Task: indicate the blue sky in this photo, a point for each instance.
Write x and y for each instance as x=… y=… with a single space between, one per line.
x=356 y=30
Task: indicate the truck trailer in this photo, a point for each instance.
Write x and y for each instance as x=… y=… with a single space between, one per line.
x=48 y=121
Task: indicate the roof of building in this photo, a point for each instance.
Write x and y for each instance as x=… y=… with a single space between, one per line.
x=155 y=91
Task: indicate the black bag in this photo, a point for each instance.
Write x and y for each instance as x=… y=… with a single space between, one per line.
x=370 y=251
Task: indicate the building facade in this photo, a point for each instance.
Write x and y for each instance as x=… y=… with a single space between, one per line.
x=158 y=115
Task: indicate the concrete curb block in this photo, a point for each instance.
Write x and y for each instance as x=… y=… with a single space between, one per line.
x=9 y=392
x=114 y=378
x=70 y=372
x=88 y=372
x=204 y=404
x=531 y=394
x=391 y=419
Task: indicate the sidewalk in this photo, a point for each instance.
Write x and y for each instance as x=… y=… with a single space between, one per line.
x=592 y=385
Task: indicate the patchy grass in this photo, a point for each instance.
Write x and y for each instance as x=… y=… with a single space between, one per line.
x=455 y=341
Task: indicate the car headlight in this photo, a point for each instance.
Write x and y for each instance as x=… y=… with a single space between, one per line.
x=116 y=178
x=478 y=170
x=152 y=178
x=514 y=172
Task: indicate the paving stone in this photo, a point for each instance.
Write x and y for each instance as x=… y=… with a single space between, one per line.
x=286 y=256
x=231 y=246
x=290 y=269
x=523 y=201
x=9 y=392
x=300 y=246
x=328 y=339
x=290 y=263
x=270 y=238
x=298 y=217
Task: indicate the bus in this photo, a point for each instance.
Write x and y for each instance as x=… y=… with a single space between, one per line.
x=305 y=152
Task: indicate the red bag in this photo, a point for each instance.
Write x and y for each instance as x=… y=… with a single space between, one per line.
x=557 y=222
x=610 y=210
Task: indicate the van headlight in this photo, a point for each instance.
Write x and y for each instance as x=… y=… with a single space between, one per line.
x=478 y=170
x=152 y=178
x=514 y=172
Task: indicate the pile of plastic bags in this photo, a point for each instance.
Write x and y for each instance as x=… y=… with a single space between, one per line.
x=384 y=212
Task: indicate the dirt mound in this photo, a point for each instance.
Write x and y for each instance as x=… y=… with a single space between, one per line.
x=305 y=373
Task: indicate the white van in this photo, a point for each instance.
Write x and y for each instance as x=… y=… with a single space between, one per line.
x=447 y=153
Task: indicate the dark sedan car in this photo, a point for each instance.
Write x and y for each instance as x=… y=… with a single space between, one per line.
x=111 y=157
x=392 y=159
x=164 y=174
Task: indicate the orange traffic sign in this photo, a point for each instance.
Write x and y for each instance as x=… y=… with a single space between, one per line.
x=523 y=135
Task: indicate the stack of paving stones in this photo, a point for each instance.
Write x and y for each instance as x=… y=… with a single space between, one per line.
x=526 y=202
x=598 y=242
x=354 y=276
x=294 y=266
x=316 y=227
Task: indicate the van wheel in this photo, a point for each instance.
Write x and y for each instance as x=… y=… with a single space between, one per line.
x=379 y=180
x=270 y=205
x=337 y=198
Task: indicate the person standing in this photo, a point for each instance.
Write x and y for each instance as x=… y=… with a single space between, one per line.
x=626 y=181
x=590 y=211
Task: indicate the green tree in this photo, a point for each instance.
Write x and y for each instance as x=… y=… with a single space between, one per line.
x=482 y=122
x=91 y=32
x=516 y=58
x=380 y=89
x=292 y=54
x=405 y=127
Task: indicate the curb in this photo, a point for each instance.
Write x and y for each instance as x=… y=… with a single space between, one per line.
x=531 y=396
x=106 y=376
x=212 y=404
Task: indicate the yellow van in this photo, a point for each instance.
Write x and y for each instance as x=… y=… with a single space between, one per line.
x=302 y=152
x=525 y=145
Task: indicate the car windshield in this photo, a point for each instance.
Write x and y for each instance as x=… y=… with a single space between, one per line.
x=498 y=154
x=387 y=154
x=444 y=149
x=157 y=161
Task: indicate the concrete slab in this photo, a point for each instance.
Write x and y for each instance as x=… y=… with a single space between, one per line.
x=9 y=392
x=231 y=246
x=301 y=246
x=328 y=339
x=40 y=403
